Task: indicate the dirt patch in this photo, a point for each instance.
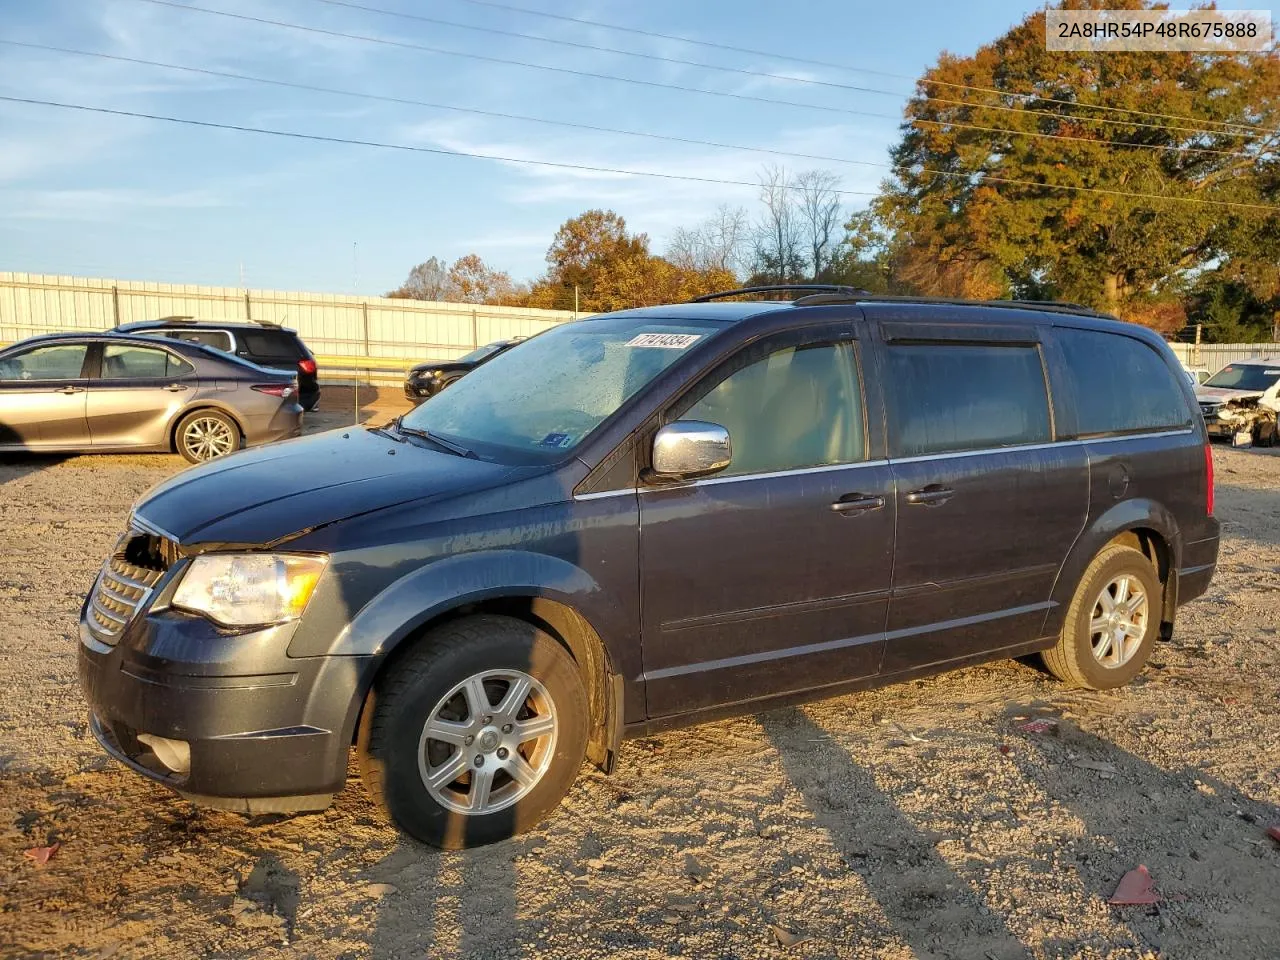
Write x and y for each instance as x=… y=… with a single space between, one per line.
x=930 y=819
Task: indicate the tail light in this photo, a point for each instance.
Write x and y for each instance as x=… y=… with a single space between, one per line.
x=307 y=366
x=1208 y=480
x=282 y=390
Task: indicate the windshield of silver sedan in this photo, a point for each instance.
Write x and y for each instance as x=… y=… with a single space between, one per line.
x=540 y=399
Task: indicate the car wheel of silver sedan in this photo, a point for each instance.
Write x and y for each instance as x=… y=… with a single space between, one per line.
x=206 y=435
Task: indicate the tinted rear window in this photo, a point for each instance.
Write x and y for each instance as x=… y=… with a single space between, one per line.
x=270 y=343
x=950 y=397
x=1121 y=385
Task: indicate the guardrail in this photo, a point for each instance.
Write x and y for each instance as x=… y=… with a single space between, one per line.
x=373 y=371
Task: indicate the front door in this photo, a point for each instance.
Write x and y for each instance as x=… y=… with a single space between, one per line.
x=988 y=504
x=137 y=394
x=772 y=576
x=42 y=397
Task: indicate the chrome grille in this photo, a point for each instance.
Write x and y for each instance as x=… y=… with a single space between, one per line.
x=123 y=586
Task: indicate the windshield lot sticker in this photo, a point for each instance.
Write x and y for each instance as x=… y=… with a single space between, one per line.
x=667 y=341
x=557 y=440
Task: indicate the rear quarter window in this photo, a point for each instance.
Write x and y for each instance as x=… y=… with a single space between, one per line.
x=272 y=344
x=1121 y=385
x=947 y=397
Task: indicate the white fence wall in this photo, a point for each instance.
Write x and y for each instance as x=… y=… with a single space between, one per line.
x=1214 y=356
x=332 y=324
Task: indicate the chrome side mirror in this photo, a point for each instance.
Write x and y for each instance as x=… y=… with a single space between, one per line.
x=691 y=448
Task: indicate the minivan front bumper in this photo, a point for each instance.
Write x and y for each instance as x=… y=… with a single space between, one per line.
x=265 y=732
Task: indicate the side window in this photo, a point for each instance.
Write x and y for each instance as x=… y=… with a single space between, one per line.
x=218 y=339
x=945 y=397
x=1121 y=385
x=796 y=407
x=63 y=361
x=121 y=362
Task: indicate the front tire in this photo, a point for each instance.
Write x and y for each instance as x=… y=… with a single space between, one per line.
x=1112 y=623
x=206 y=435
x=476 y=734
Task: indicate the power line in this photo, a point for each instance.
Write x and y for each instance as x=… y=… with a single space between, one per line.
x=409 y=101
x=812 y=81
x=441 y=151
x=224 y=74
x=406 y=45
x=510 y=8
x=411 y=148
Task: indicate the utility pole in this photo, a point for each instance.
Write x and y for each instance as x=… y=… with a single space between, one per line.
x=1197 y=354
x=575 y=301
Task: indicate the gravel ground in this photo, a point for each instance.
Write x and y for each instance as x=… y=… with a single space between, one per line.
x=918 y=821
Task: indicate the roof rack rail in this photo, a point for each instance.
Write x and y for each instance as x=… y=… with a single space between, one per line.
x=180 y=318
x=1050 y=306
x=783 y=288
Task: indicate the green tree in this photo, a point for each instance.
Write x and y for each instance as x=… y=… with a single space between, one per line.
x=957 y=229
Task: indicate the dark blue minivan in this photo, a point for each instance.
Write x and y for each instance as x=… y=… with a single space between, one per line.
x=644 y=520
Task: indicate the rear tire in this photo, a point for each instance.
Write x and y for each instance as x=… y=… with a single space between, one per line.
x=1112 y=623
x=458 y=771
x=207 y=435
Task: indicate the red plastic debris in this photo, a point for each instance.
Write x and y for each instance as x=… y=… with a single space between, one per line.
x=1004 y=748
x=1274 y=832
x=42 y=855
x=1037 y=726
x=1136 y=887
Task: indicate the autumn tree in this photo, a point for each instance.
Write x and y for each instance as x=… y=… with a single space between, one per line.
x=980 y=203
x=470 y=280
x=612 y=269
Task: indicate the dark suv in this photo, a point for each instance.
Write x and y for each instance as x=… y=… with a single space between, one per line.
x=265 y=344
x=644 y=520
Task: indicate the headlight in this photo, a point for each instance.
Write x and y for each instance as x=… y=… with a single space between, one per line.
x=247 y=589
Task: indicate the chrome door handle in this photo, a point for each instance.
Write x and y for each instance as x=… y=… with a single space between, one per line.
x=931 y=496
x=857 y=503
x=176 y=387
x=68 y=391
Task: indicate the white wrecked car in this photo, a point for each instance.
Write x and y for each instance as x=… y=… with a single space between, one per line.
x=1243 y=398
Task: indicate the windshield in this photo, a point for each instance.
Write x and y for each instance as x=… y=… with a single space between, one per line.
x=475 y=356
x=1241 y=376
x=538 y=400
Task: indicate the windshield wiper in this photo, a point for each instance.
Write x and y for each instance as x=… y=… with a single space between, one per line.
x=450 y=445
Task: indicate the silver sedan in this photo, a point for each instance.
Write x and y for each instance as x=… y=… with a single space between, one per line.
x=117 y=393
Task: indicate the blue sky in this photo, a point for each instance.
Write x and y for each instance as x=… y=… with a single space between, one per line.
x=137 y=199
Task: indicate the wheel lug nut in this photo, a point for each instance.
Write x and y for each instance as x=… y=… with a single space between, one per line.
x=506 y=728
x=487 y=720
x=470 y=740
x=502 y=753
x=479 y=760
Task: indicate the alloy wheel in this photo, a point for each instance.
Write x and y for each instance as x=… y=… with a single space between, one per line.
x=1119 y=621
x=207 y=438
x=487 y=742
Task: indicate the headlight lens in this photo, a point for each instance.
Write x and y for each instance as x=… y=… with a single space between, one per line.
x=247 y=589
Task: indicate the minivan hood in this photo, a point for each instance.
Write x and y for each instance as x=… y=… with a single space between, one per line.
x=263 y=496
x=1223 y=394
